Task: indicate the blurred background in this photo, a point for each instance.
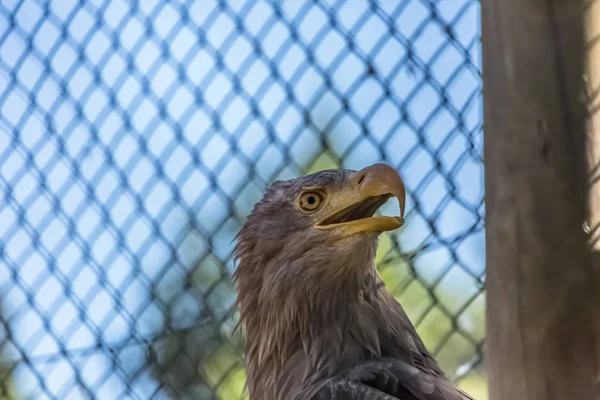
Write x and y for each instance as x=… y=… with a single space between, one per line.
x=135 y=137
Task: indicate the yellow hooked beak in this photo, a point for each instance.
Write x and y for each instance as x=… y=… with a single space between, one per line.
x=368 y=190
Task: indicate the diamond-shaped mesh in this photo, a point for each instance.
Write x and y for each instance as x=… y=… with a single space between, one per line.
x=136 y=136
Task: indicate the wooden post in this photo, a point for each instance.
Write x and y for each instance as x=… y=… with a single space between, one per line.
x=542 y=286
x=592 y=79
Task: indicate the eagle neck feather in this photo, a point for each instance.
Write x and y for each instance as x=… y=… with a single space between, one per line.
x=300 y=313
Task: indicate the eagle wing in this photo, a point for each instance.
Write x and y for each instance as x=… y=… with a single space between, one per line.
x=389 y=379
x=416 y=377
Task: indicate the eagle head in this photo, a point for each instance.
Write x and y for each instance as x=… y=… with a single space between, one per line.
x=305 y=263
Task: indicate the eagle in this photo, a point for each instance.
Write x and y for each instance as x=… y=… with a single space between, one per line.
x=317 y=320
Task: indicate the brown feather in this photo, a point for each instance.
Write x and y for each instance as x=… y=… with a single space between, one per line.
x=313 y=308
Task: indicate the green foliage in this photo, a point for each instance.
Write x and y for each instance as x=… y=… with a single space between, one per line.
x=224 y=372
x=8 y=389
x=326 y=160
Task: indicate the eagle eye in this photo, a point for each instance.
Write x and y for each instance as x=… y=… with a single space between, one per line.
x=310 y=201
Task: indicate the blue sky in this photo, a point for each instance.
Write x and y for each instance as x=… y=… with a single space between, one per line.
x=134 y=121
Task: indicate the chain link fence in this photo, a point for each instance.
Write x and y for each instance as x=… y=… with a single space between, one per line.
x=136 y=136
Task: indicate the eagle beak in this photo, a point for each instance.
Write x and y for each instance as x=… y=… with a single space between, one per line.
x=353 y=208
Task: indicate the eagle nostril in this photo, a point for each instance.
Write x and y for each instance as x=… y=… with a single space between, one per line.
x=361 y=179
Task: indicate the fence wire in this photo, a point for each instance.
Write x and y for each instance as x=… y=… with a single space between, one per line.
x=136 y=136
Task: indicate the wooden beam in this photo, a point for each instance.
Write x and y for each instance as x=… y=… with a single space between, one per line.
x=592 y=79
x=542 y=285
